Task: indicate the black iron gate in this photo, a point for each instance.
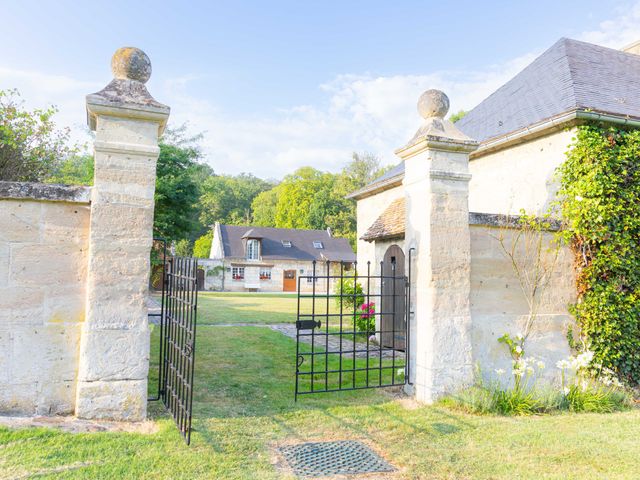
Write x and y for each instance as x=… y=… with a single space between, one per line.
x=352 y=329
x=178 y=340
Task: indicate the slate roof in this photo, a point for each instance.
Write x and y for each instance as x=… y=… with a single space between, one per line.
x=570 y=76
x=335 y=248
x=390 y=224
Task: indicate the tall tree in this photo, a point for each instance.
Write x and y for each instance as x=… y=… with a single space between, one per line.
x=264 y=206
x=309 y=198
x=296 y=199
x=177 y=190
x=228 y=199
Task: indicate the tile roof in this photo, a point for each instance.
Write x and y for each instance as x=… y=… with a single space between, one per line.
x=570 y=76
x=390 y=224
x=334 y=248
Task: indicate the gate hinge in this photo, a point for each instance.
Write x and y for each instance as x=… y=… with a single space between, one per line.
x=307 y=324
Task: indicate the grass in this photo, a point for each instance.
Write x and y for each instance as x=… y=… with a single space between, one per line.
x=215 y=308
x=230 y=308
x=244 y=408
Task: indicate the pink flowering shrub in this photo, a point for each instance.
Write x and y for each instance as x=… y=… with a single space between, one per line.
x=366 y=318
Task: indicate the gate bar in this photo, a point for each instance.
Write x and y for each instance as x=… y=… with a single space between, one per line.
x=161 y=315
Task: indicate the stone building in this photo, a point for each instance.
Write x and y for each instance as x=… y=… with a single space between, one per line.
x=272 y=259
x=514 y=140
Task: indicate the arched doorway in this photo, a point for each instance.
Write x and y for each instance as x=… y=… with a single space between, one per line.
x=393 y=321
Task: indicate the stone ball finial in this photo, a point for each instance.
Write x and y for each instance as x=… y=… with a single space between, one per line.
x=433 y=103
x=130 y=63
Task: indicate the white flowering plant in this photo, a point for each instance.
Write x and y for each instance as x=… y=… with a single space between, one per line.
x=590 y=387
x=523 y=368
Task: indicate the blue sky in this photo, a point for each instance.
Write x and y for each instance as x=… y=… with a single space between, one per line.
x=276 y=85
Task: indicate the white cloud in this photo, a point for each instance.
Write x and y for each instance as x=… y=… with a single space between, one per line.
x=40 y=90
x=359 y=112
x=618 y=32
x=364 y=112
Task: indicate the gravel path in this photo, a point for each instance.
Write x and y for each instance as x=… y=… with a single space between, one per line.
x=289 y=330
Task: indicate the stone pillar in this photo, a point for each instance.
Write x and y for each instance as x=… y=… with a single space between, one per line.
x=436 y=184
x=114 y=347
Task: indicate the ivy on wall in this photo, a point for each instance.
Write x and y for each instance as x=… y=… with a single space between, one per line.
x=600 y=203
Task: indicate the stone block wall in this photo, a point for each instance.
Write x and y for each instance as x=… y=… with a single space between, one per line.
x=75 y=266
x=43 y=269
x=519 y=177
x=498 y=306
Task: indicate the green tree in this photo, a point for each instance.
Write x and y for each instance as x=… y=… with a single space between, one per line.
x=202 y=245
x=263 y=208
x=228 y=199
x=359 y=172
x=75 y=170
x=183 y=248
x=31 y=147
x=177 y=191
x=309 y=198
x=297 y=206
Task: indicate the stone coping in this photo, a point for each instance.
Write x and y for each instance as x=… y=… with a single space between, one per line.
x=505 y=221
x=45 y=191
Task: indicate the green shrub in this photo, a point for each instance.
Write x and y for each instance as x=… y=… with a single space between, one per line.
x=599 y=198
x=183 y=248
x=351 y=294
x=596 y=398
x=202 y=246
x=515 y=401
x=366 y=318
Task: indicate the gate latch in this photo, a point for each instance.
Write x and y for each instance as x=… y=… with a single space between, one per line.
x=307 y=324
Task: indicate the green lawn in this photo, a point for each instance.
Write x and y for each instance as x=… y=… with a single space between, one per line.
x=229 y=308
x=244 y=408
x=217 y=308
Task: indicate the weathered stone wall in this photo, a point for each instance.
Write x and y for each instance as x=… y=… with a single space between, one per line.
x=74 y=278
x=498 y=305
x=518 y=177
x=43 y=267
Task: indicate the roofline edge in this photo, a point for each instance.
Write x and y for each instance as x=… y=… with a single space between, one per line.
x=542 y=128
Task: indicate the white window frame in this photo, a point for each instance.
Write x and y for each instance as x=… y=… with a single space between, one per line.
x=237 y=273
x=265 y=274
x=286 y=243
x=310 y=277
x=253 y=249
x=318 y=244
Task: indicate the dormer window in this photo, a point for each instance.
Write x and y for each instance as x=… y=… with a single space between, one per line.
x=318 y=245
x=253 y=249
x=286 y=243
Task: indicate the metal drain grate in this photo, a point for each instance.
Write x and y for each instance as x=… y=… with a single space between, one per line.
x=323 y=459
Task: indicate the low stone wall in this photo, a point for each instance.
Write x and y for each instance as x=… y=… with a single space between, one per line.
x=498 y=305
x=43 y=267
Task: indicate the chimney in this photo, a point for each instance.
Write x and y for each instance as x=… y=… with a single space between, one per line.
x=329 y=231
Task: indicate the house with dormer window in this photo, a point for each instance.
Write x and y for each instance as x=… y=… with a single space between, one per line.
x=264 y=259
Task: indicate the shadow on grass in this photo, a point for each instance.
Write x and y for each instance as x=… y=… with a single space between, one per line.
x=250 y=372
